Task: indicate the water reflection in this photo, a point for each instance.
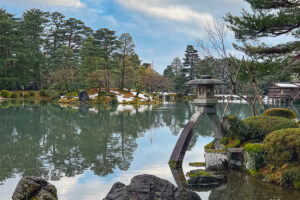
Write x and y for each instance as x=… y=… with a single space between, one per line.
x=52 y=142
x=95 y=145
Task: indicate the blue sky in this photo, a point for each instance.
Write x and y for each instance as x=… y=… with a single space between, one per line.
x=161 y=29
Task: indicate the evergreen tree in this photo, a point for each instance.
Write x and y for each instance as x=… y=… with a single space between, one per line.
x=177 y=66
x=191 y=61
x=269 y=19
x=8 y=36
x=32 y=30
x=168 y=73
x=109 y=44
x=126 y=51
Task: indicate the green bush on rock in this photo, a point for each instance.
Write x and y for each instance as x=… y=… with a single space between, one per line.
x=255 y=155
x=282 y=146
x=5 y=93
x=259 y=126
x=280 y=112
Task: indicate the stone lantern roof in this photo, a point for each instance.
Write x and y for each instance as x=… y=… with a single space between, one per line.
x=206 y=80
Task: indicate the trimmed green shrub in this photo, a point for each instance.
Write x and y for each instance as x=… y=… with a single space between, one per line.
x=15 y=95
x=280 y=112
x=5 y=93
x=259 y=126
x=283 y=146
x=43 y=93
x=291 y=177
x=254 y=148
x=26 y=95
x=31 y=93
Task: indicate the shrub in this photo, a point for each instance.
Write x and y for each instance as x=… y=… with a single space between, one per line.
x=258 y=127
x=26 y=95
x=234 y=127
x=71 y=95
x=5 y=93
x=280 y=112
x=43 y=93
x=179 y=95
x=291 y=177
x=61 y=93
x=15 y=95
x=282 y=146
x=31 y=93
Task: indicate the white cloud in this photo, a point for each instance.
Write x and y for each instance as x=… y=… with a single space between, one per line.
x=63 y=3
x=183 y=18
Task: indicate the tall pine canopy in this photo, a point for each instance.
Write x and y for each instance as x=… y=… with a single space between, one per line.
x=270 y=18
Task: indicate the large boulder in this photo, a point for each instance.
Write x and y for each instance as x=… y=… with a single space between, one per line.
x=149 y=187
x=34 y=188
x=83 y=96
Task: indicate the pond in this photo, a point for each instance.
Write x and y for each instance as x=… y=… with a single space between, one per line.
x=84 y=150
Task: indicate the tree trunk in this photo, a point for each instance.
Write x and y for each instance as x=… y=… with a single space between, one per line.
x=123 y=73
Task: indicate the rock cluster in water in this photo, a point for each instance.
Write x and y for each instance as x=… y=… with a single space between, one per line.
x=149 y=187
x=34 y=188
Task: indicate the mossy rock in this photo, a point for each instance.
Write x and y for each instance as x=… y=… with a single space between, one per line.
x=200 y=179
x=197 y=164
x=197 y=172
x=259 y=127
x=230 y=142
x=280 y=112
x=209 y=145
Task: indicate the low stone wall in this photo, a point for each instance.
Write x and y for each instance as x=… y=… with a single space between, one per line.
x=215 y=160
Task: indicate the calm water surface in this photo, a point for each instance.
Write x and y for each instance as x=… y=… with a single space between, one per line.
x=84 y=150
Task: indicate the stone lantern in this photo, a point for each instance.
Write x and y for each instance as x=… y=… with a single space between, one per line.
x=205 y=90
x=204 y=105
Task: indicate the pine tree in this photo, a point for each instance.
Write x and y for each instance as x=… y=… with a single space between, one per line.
x=8 y=48
x=126 y=51
x=269 y=19
x=109 y=44
x=191 y=61
x=32 y=30
x=177 y=66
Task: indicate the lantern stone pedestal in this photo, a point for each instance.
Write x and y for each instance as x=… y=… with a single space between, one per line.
x=205 y=105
